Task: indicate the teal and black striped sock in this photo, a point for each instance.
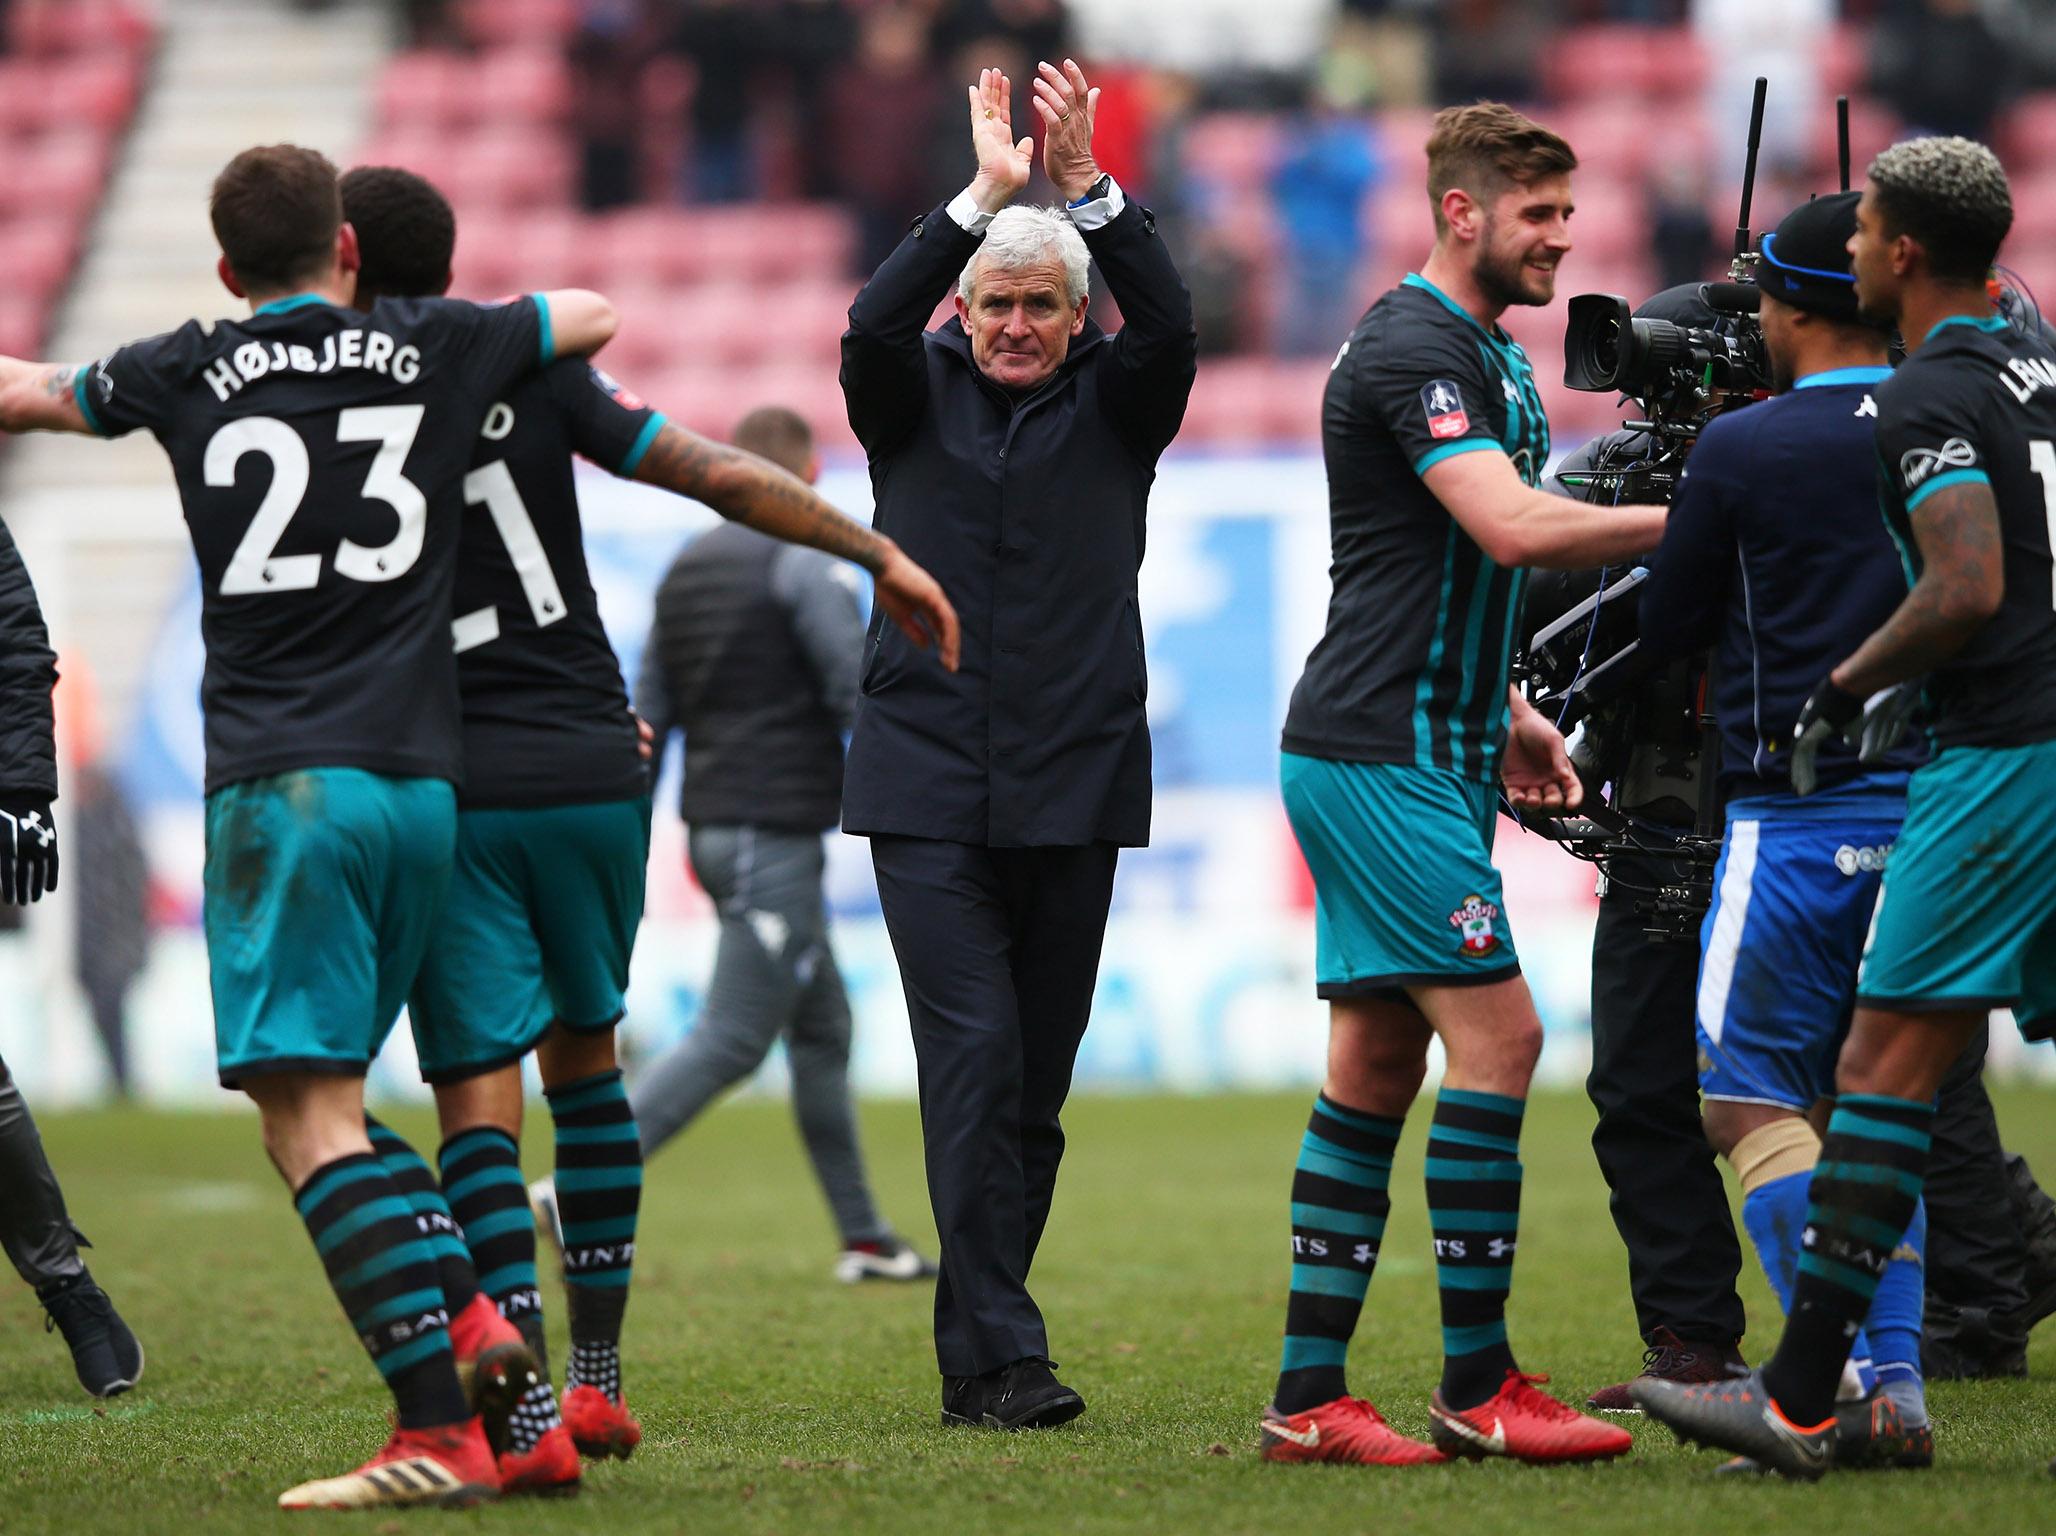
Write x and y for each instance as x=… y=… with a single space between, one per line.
x=432 y=1215
x=482 y=1182
x=1873 y=1162
x=599 y=1191
x=1339 y=1206
x=1474 y=1208
x=384 y=1274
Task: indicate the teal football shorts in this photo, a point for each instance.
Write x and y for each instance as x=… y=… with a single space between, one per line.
x=320 y=892
x=1404 y=889
x=537 y=930
x=1967 y=916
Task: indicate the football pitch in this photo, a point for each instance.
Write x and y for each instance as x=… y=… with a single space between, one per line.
x=775 y=1400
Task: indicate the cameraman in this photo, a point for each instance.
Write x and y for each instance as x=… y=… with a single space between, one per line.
x=1775 y=555
x=1668 y=1202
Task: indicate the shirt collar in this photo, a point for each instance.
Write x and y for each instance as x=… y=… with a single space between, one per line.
x=1986 y=323
x=296 y=301
x=1861 y=375
x=1415 y=280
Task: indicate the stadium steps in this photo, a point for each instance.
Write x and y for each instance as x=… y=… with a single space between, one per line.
x=99 y=523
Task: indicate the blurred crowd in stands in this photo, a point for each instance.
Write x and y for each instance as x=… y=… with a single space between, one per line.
x=722 y=161
x=1284 y=173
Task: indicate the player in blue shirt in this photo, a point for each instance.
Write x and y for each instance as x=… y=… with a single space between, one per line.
x=1966 y=919
x=319 y=455
x=1774 y=558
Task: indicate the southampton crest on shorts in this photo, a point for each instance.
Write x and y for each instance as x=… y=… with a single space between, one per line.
x=1443 y=402
x=1474 y=921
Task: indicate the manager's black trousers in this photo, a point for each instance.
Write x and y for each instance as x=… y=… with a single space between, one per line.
x=998 y=950
x=1669 y=1202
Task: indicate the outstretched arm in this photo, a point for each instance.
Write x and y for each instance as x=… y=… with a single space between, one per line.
x=1518 y=525
x=580 y=321
x=759 y=494
x=40 y=397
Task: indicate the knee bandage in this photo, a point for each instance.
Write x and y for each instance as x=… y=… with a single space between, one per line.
x=1775 y=1151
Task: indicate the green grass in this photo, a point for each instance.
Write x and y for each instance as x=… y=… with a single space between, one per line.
x=775 y=1400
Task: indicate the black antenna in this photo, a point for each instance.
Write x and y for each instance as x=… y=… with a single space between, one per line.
x=1842 y=137
x=1749 y=169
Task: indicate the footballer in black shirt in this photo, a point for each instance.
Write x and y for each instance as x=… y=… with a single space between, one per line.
x=320 y=454
x=1966 y=919
x=1397 y=737
x=533 y=944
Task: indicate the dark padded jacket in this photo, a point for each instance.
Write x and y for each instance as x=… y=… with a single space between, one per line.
x=28 y=671
x=1030 y=511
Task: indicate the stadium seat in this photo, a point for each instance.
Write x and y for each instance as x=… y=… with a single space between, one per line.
x=1588 y=61
x=36 y=255
x=647 y=244
x=78 y=26
x=536 y=22
x=2027 y=134
x=21 y=327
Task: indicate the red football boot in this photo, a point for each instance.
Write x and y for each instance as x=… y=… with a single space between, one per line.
x=550 y=1467
x=1346 y=1430
x=1527 y=1425
x=448 y=1466
x=600 y=1428
x=493 y=1363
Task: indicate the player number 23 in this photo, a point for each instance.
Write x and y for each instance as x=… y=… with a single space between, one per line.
x=253 y=568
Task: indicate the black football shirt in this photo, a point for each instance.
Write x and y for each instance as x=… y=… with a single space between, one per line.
x=319 y=454
x=1413 y=666
x=546 y=718
x=1976 y=404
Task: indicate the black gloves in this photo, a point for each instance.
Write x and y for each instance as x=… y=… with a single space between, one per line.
x=1829 y=711
x=28 y=848
x=1873 y=726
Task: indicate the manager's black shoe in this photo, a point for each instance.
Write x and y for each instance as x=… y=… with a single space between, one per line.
x=103 y=1350
x=1738 y=1416
x=1024 y=1395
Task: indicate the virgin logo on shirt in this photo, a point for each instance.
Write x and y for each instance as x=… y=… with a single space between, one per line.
x=1443 y=403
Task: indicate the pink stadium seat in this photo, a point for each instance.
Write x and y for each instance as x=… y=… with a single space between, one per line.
x=80 y=26
x=421 y=89
x=58 y=175
x=540 y=22
x=2034 y=219
x=1231 y=403
x=1593 y=61
x=21 y=327
x=773 y=241
x=2027 y=137
x=521 y=86
x=491 y=168
x=646 y=245
x=1844 y=61
x=37 y=255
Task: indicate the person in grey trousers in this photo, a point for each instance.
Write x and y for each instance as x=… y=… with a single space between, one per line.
x=754 y=654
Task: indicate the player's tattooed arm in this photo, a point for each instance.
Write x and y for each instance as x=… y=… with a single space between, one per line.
x=40 y=397
x=1962 y=581
x=757 y=493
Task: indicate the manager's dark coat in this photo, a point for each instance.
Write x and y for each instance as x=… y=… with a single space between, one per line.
x=1030 y=511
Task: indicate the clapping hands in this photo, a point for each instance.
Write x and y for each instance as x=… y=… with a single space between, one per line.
x=1067 y=105
x=1003 y=164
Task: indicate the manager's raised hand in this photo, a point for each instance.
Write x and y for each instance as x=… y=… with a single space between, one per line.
x=1004 y=163
x=1067 y=105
